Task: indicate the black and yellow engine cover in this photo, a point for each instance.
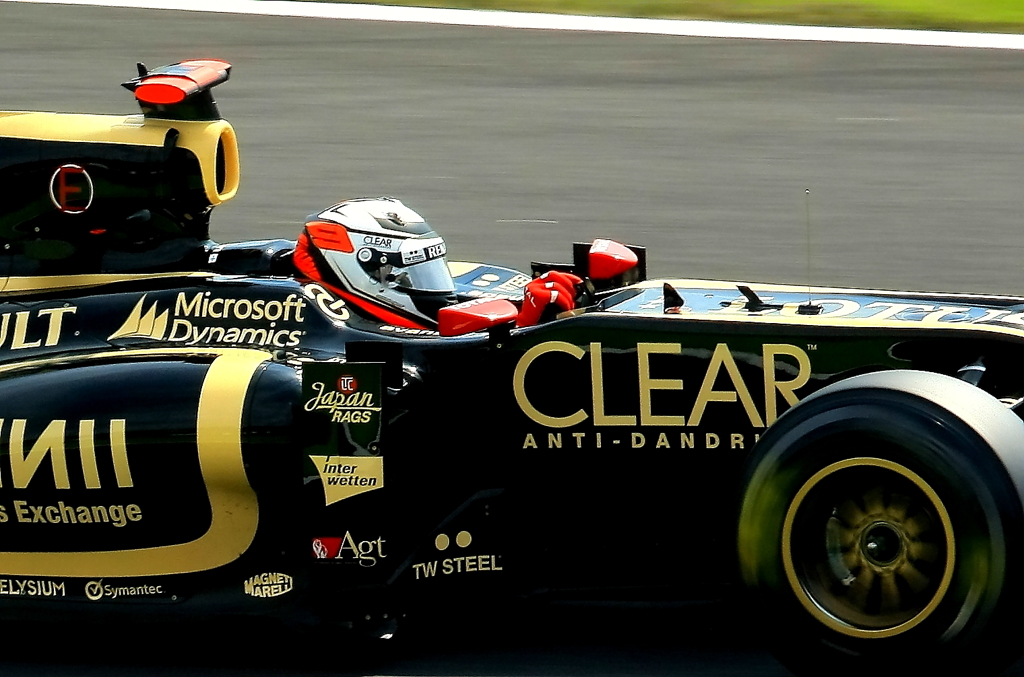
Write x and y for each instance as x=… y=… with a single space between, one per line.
x=107 y=193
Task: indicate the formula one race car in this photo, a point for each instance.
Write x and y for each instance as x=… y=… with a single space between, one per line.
x=349 y=427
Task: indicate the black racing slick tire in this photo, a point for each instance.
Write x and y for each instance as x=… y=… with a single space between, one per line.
x=881 y=529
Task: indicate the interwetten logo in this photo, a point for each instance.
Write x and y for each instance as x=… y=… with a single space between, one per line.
x=347 y=476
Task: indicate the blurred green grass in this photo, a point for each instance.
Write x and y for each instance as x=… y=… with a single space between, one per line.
x=957 y=15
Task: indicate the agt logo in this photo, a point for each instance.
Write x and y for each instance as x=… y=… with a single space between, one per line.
x=346 y=548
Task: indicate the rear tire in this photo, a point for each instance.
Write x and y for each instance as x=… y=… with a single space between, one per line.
x=882 y=531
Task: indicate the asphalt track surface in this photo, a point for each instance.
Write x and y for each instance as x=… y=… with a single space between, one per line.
x=514 y=143
x=572 y=644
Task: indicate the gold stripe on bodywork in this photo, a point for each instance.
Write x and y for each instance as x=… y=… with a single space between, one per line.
x=796 y=320
x=682 y=285
x=803 y=321
x=48 y=283
x=219 y=441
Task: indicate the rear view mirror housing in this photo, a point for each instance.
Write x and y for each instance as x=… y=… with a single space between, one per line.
x=609 y=264
x=581 y=265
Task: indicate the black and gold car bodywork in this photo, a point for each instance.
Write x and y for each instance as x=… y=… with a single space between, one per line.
x=191 y=429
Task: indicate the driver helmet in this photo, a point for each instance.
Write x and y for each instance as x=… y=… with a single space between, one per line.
x=382 y=256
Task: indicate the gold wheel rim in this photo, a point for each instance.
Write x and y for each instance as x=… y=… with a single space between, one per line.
x=872 y=532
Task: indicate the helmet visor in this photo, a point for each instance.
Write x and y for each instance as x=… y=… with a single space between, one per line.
x=429 y=276
x=420 y=265
x=416 y=264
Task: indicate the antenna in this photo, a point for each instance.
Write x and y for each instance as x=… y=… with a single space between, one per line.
x=808 y=308
x=807 y=206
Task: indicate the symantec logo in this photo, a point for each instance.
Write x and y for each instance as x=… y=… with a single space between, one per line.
x=97 y=590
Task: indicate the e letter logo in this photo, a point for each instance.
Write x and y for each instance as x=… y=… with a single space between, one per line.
x=71 y=189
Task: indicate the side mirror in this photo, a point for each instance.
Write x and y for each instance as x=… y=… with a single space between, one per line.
x=608 y=259
x=475 y=315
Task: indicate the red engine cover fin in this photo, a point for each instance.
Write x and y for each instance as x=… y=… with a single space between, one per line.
x=161 y=90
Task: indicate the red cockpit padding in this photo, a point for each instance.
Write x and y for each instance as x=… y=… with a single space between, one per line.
x=475 y=315
x=376 y=310
x=553 y=287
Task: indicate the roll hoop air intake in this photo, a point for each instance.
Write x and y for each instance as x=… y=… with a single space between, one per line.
x=112 y=193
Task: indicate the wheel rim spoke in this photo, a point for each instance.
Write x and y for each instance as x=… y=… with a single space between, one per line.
x=914 y=578
x=874 y=502
x=890 y=592
x=861 y=587
x=916 y=525
x=898 y=506
x=851 y=514
x=922 y=551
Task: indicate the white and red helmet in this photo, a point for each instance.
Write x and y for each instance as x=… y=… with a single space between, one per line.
x=383 y=256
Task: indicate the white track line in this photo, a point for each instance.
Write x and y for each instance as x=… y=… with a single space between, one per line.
x=464 y=17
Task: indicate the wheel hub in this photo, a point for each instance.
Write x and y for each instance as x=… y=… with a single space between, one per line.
x=868 y=547
x=882 y=544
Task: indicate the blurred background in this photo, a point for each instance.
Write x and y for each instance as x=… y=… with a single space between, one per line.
x=514 y=143
x=957 y=15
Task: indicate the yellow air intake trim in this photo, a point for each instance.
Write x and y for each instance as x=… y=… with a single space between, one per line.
x=213 y=143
